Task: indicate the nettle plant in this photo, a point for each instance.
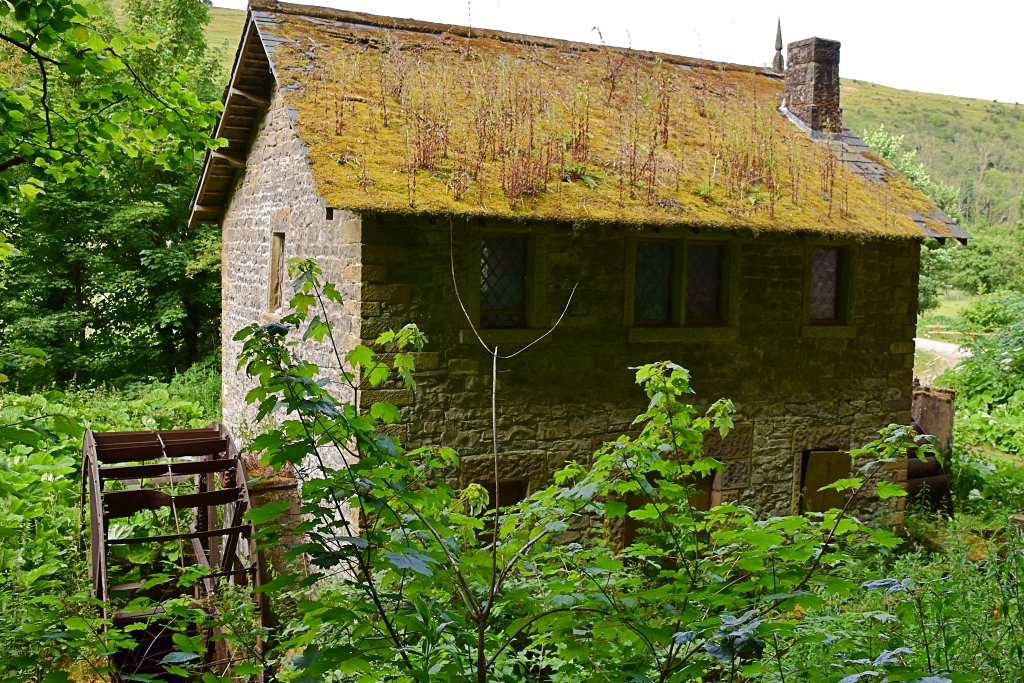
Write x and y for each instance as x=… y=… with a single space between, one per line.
x=416 y=580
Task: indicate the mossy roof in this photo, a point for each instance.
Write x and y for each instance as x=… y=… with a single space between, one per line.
x=409 y=117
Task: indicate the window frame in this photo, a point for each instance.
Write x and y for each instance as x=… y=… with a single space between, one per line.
x=527 y=281
x=469 y=262
x=724 y=329
x=676 y=291
x=844 y=293
x=276 y=272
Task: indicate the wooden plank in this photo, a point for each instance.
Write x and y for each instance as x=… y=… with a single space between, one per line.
x=221 y=497
x=196 y=448
x=118 y=504
x=822 y=468
x=244 y=530
x=148 y=471
x=126 y=503
x=129 y=453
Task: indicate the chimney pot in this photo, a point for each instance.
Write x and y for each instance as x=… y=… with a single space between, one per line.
x=812 y=83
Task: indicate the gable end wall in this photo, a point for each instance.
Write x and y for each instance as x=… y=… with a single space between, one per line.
x=274 y=194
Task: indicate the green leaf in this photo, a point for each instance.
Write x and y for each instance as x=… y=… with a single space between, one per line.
x=614 y=509
x=183 y=642
x=360 y=356
x=843 y=484
x=247 y=669
x=265 y=514
x=178 y=657
x=276 y=584
x=887 y=489
x=385 y=411
x=408 y=558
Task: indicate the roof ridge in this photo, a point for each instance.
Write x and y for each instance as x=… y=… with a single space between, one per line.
x=417 y=26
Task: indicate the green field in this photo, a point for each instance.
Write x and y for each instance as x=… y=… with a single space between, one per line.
x=223 y=33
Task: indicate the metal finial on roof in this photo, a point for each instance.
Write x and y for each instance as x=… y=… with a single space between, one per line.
x=779 y=63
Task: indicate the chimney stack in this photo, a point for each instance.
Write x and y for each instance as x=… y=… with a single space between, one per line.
x=812 y=83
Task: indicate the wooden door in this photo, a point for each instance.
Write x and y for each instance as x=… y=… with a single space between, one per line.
x=822 y=468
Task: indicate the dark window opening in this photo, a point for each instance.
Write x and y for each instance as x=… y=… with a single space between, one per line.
x=330 y=214
x=821 y=468
x=652 y=304
x=275 y=300
x=825 y=266
x=700 y=501
x=503 y=282
x=704 y=284
x=509 y=493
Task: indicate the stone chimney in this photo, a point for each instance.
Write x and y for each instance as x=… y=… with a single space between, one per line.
x=812 y=83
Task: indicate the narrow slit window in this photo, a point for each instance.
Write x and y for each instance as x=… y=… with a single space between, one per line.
x=704 y=284
x=503 y=282
x=275 y=301
x=825 y=285
x=652 y=304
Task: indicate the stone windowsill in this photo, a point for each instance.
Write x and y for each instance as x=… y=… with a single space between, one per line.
x=659 y=335
x=829 y=331
x=503 y=337
x=268 y=317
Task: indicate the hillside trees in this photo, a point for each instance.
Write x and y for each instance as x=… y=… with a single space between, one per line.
x=110 y=280
x=76 y=94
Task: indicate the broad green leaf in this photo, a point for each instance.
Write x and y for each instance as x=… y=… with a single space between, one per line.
x=267 y=513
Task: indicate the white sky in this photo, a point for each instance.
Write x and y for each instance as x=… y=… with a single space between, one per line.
x=971 y=49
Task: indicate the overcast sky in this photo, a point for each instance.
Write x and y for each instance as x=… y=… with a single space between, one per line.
x=971 y=49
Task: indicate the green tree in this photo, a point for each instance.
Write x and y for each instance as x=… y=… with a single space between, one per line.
x=110 y=280
x=73 y=97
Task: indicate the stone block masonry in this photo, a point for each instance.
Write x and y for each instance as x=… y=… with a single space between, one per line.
x=794 y=393
x=275 y=195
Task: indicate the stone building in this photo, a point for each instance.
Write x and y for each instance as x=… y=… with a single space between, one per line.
x=716 y=215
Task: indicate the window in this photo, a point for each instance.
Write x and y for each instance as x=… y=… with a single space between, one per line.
x=653 y=300
x=274 y=301
x=503 y=282
x=825 y=284
x=821 y=468
x=704 y=270
x=510 y=492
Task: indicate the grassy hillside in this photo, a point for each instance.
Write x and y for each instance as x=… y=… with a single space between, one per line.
x=223 y=33
x=975 y=145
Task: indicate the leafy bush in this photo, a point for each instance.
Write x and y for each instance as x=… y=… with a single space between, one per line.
x=47 y=621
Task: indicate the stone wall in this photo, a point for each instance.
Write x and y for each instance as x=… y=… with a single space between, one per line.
x=796 y=388
x=275 y=194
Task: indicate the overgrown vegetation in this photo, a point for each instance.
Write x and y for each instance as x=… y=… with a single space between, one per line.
x=105 y=282
x=48 y=624
x=109 y=280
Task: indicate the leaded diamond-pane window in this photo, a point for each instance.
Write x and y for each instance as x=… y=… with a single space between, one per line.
x=652 y=303
x=825 y=285
x=503 y=282
x=704 y=284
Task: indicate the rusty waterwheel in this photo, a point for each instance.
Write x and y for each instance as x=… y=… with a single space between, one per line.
x=192 y=484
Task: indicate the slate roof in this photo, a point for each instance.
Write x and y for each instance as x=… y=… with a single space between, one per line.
x=411 y=117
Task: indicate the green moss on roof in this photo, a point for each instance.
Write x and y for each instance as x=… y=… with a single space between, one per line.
x=411 y=120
